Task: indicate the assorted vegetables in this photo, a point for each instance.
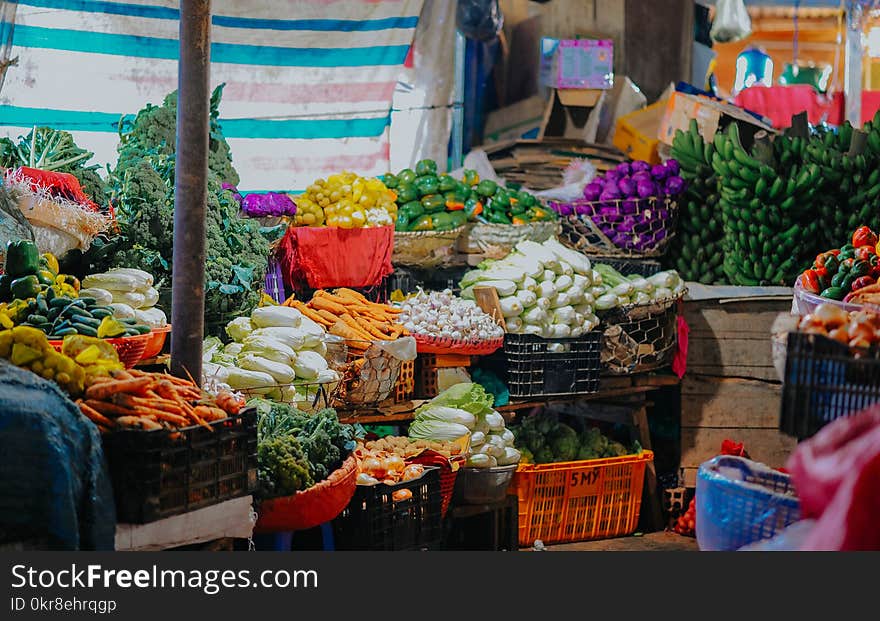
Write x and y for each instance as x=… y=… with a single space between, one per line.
x=442 y=314
x=462 y=410
x=409 y=447
x=859 y=329
x=849 y=274
x=635 y=290
x=627 y=203
x=129 y=292
x=274 y=353
x=347 y=201
x=428 y=201
x=542 y=439
x=152 y=401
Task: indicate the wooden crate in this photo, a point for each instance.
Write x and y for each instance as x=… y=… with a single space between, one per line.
x=427 y=366
x=744 y=410
x=731 y=338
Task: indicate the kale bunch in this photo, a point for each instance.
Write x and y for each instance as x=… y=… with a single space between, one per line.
x=283 y=467
x=543 y=439
x=142 y=184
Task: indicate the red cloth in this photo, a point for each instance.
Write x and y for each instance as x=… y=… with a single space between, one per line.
x=326 y=257
x=60 y=184
x=837 y=477
x=780 y=103
x=679 y=362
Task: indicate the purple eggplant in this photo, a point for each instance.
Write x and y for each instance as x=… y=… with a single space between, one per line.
x=659 y=172
x=584 y=208
x=646 y=189
x=672 y=166
x=622 y=240
x=593 y=190
x=674 y=185
x=623 y=168
x=640 y=166
x=629 y=206
x=563 y=209
x=626 y=186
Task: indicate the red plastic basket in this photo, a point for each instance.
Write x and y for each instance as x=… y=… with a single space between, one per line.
x=449 y=468
x=312 y=507
x=156 y=343
x=446 y=345
x=129 y=348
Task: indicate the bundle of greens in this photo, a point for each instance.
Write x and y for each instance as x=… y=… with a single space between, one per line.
x=143 y=190
x=293 y=439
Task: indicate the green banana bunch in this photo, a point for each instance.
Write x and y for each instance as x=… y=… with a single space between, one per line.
x=767 y=209
x=696 y=250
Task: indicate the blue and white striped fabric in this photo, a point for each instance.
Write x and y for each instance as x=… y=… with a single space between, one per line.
x=308 y=90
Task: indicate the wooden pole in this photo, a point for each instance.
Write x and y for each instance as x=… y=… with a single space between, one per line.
x=190 y=189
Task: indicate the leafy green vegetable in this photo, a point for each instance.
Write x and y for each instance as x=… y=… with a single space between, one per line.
x=143 y=190
x=564 y=443
x=542 y=439
x=467 y=396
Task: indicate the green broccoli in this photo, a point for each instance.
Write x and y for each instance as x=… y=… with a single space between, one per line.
x=283 y=468
x=544 y=455
x=564 y=443
x=526 y=456
x=615 y=449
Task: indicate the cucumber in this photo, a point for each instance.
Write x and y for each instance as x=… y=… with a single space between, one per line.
x=60 y=334
x=63 y=325
x=46 y=327
x=131 y=332
x=37 y=319
x=76 y=311
x=100 y=313
x=142 y=329
x=86 y=330
x=79 y=320
x=129 y=321
x=89 y=302
x=50 y=294
x=60 y=302
x=42 y=305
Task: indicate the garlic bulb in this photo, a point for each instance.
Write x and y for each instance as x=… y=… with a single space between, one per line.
x=442 y=314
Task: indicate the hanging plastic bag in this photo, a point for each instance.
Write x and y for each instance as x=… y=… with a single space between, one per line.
x=480 y=20
x=732 y=22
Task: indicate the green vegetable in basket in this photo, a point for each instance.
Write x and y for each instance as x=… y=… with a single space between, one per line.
x=406 y=192
x=428 y=184
x=447 y=183
x=426 y=167
x=433 y=203
x=283 y=467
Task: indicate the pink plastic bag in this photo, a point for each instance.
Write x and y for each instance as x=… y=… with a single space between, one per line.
x=837 y=477
x=679 y=362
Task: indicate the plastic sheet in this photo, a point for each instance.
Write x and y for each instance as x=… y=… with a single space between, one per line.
x=54 y=486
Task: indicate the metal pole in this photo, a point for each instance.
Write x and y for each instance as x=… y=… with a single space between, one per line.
x=853 y=63
x=190 y=189
x=458 y=103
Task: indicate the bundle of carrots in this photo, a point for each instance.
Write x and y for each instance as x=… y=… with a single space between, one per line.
x=134 y=399
x=348 y=314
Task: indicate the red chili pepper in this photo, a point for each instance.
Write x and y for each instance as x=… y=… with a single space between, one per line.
x=864 y=253
x=864 y=236
x=875 y=272
x=835 y=252
x=809 y=281
x=863 y=281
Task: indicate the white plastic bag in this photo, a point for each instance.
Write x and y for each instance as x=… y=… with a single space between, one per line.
x=732 y=22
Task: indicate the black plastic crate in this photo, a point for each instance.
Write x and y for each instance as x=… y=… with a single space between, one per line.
x=157 y=474
x=538 y=367
x=825 y=381
x=374 y=521
x=627 y=267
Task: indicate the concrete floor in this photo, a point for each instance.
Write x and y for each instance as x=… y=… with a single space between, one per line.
x=651 y=542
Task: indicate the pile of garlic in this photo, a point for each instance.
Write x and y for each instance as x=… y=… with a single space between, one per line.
x=444 y=315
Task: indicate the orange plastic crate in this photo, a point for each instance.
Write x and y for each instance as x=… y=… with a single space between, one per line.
x=580 y=500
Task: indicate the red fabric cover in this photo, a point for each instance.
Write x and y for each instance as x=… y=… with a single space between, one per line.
x=837 y=477
x=780 y=103
x=326 y=257
x=679 y=362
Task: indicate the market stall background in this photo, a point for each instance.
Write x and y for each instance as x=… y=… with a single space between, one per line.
x=300 y=80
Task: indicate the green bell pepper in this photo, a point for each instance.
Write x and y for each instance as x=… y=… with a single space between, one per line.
x=428 y=184
x=423 y=223
x=402 y=222
x=526 y=199
x=471 y=177
x=443 y=221
x=433 y=203
x=407 y=175
x=22 y=258
x=459 y=218
x=25 y=287
x=447 y=183
x=473 y=208
x=498 y=217
x=412 y=210
x=426 y=167
x=406 y=192
x=518 y=208
x=390 y=181
x=5 y=291
x=487 y=188
x=501 y=199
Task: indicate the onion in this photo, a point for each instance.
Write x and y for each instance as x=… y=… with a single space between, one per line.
x=373 y=467
x=830 y=315
x=839 y=334
x=413 y=471
x=393 y=463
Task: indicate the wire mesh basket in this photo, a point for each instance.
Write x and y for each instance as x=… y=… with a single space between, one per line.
x=639 y=338
x=369 y=376
x=305 y=397
x=633 y=227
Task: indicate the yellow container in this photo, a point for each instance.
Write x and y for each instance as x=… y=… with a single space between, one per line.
x=636 y=133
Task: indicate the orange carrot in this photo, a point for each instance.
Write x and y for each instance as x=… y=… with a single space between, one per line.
x=96 y=417
x=108 y=409
x=103 y=390
x=320 y=303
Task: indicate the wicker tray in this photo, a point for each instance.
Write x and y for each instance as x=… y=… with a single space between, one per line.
x=501 y=238
x=425 y=249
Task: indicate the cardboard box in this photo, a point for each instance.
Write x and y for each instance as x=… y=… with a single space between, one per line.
x=710 y=115
x=521 y=120
x=577 y=63
x=568 y=114
x=636 y=133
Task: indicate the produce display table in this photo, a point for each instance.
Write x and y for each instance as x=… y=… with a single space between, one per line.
x=232 y=518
